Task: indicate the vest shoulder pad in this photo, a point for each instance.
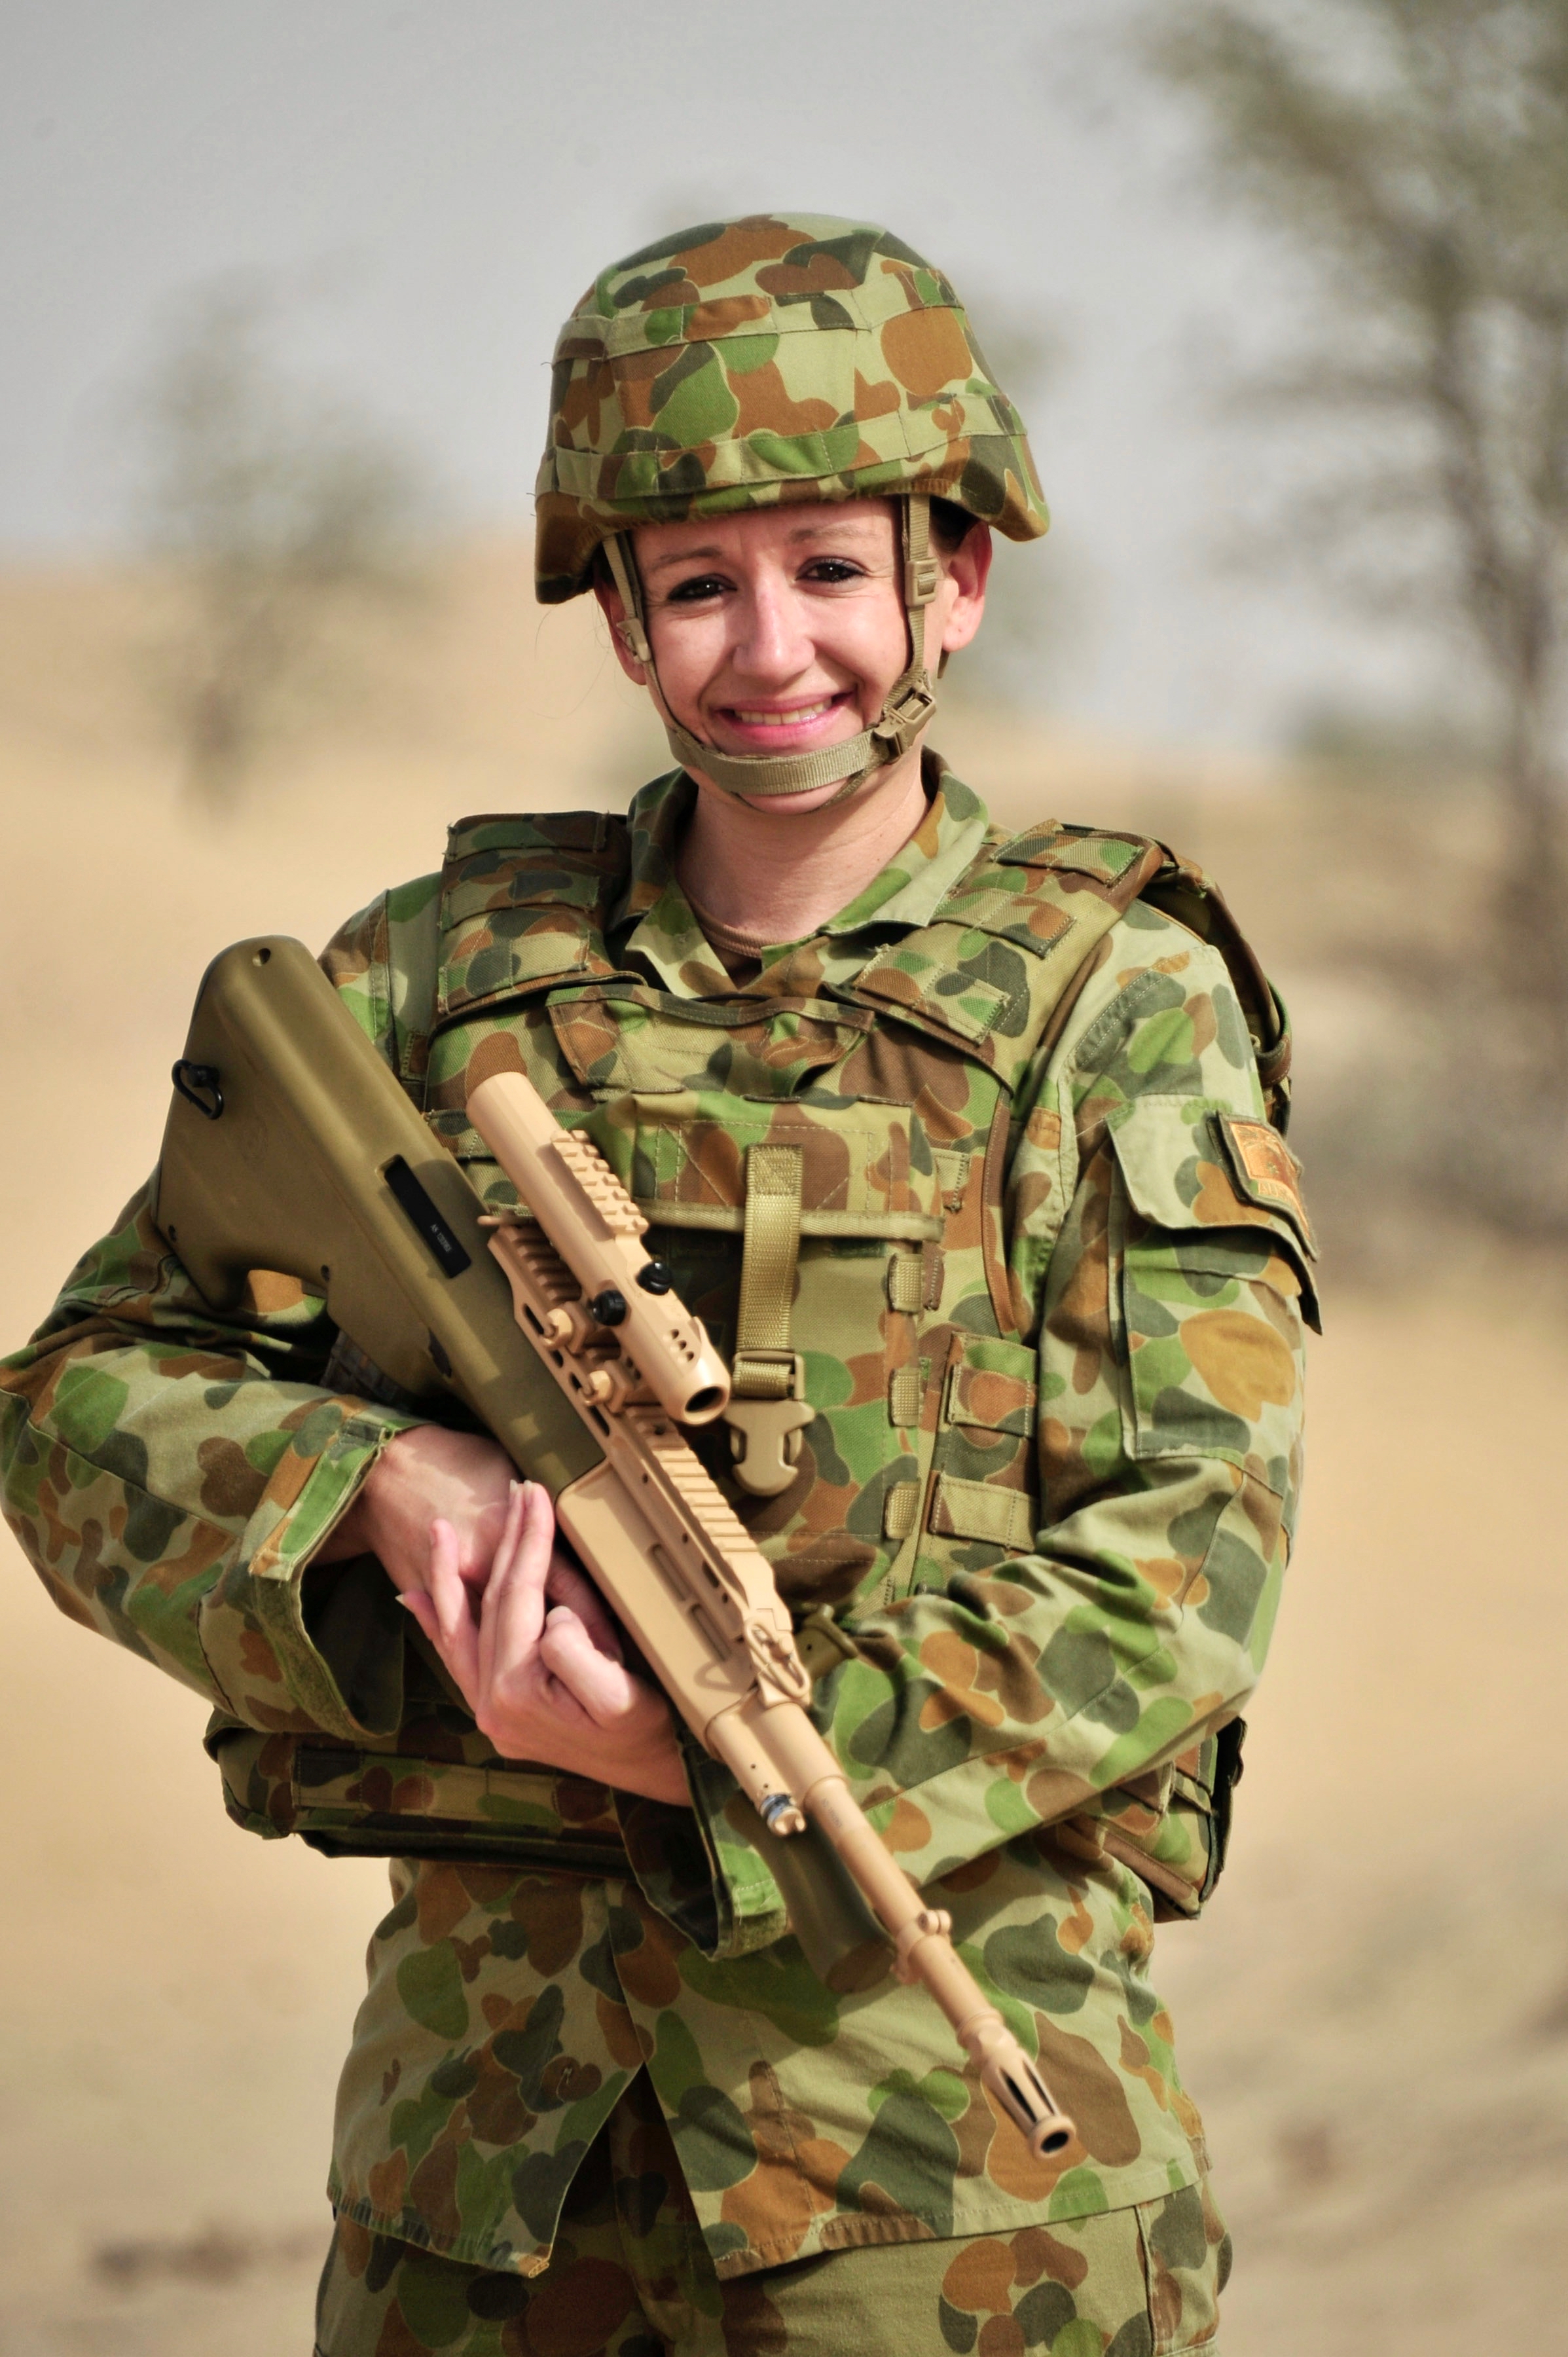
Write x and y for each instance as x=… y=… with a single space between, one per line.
x=524 y=903
x=1003 y=950
x=1182 y=890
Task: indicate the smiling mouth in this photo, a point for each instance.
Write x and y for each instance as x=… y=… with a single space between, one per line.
x=797 y=716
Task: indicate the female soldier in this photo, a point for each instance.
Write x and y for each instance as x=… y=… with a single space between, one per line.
x=963 y=1146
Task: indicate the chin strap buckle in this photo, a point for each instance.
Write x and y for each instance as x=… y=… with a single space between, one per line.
x=906 y=713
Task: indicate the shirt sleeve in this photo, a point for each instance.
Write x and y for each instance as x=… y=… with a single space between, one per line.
x=169 y=1470
x=1164 y=1287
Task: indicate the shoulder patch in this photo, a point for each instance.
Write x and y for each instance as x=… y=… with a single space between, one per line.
x=1266 y=1171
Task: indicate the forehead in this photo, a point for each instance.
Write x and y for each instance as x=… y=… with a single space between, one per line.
x=868 y=524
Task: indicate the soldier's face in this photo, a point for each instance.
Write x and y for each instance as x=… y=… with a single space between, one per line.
x=782 y=631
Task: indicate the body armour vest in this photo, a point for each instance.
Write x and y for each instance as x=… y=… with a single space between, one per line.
x=828 y=1178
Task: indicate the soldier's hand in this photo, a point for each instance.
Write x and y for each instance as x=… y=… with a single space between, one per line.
x=463 y=1478
x=537 y=1660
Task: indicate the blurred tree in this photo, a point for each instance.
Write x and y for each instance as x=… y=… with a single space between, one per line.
x=1038 y=614
x=283 y=516
x=1414 y=155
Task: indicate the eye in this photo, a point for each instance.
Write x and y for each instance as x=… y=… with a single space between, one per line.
x=832 y=569
x=701 y=587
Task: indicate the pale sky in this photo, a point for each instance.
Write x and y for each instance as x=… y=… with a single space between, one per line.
x=431 y=183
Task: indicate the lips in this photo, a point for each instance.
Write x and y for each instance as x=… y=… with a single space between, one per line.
x=796 y=718
x=777 y=725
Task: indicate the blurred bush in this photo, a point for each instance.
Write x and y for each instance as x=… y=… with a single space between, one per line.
x=289 y=525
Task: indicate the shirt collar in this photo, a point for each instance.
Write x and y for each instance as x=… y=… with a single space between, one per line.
x=663 y=933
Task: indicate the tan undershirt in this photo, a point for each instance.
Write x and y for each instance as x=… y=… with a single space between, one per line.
x=740 y=954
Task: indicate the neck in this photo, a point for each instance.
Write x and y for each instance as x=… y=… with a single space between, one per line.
x=779 y=875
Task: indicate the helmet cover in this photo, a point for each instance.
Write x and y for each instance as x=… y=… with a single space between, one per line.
x=782 y=357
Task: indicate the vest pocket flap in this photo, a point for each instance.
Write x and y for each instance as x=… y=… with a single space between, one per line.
x=510 y=949
x=512 y=884
x=991 y=1384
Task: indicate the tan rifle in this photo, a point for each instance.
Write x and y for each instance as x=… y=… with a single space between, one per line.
x=291 y=1147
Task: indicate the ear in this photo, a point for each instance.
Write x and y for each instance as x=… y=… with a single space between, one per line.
x=962 y=597
x=614 y=612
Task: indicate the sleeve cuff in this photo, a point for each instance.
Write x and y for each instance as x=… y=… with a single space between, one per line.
x=265 y=1658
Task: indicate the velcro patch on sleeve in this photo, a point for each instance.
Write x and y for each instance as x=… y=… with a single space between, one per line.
x=1266 y=1171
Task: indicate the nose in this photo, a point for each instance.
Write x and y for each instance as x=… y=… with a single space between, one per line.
x=772 y=644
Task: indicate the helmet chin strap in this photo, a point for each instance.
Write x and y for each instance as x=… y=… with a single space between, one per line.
x=909 y=704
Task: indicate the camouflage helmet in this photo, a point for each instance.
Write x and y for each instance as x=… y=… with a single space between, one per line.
x=777 y=358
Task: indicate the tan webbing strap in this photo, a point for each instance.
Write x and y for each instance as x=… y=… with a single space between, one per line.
x=763 y=1359
x=768 y=1411
x=624 y=573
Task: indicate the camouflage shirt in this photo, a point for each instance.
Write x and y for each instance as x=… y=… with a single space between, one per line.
x=1050 y=1311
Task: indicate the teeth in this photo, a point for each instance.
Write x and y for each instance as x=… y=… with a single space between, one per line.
x=784 y=719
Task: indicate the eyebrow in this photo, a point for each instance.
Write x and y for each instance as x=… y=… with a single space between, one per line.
x=710 y=552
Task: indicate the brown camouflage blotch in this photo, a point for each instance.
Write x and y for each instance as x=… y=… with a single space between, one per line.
x=551 y=1913
x=388 y=2181
x=471 y=1954
x=1244 y=1363
x=433 y=2188
x=982 y=2277
x=440 y=1900
x=649 y=1972
x=231 y=1484
x=258 y=1659
x=1264 y=1509
x=619 y=2032
x=496 y=2113
x=1036 y=2252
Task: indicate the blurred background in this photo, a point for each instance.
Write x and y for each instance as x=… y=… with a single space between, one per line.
x=1282 y=292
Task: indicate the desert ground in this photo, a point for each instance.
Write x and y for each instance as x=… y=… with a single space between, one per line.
x=1374 y=2010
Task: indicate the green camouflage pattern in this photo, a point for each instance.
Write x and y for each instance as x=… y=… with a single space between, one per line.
x=782 y=357
x=1052 y=1342
x=630 y=2275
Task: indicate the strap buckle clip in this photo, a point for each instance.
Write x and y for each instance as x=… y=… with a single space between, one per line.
x=767 y=1414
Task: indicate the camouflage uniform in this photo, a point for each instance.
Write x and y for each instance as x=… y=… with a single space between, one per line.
x=631 y=2275
x=1107 y=1323
x=1051 y=1267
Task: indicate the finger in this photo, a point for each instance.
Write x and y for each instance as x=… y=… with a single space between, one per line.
x=606 y=1690
x=416 y=1602
x=508 y=1599
x=455 y=1638
x=569 y=1585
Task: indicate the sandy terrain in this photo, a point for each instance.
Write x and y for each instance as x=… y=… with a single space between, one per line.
x=1374 y=2012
